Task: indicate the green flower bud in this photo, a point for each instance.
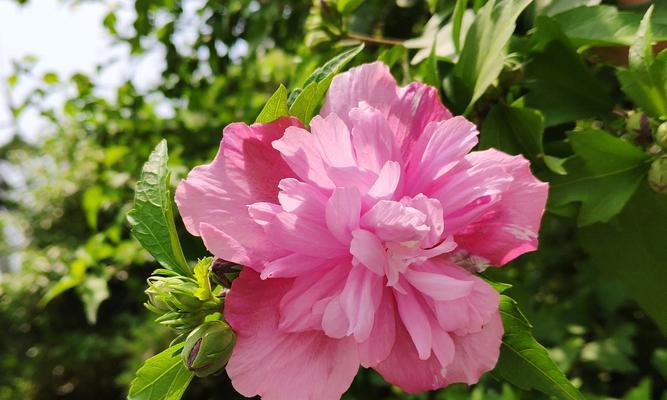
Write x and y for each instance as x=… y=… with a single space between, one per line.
x=660 y=136
x=657 y=175
x=208 y=348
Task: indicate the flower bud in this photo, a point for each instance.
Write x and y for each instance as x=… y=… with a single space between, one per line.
x=657 y=175
x=660 y=136
x=208 y=348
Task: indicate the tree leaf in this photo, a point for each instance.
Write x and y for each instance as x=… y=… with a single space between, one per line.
x=513 y=130
x=559 y=83
x=526 y=363
x=457 y=20
x=152 y=218
x=162 y=377
x=598 y=25
x=275 y=107
x=631 y=249
x=93 y=291
x=303 y=104
x=604 y=174
x=483 y=53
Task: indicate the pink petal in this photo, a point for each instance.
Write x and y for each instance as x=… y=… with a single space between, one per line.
x=368 y=250
x=509 y=228
x=381 y=340
x=393 y=221
x=301 y=153
x=406 y=370
x=476 y=354
x=277 y=365
x=439 y=149
x=292 y=266
x=438 y=286
x=387 y=183
x=373 y=140
x=299 y=308
x=218 y=193
x=434 y=217
x=416 y=320
x=343 y=211
x=301 y=235
x=333 y=141
x=307 y=201
x=359 y=300
x=369 y=83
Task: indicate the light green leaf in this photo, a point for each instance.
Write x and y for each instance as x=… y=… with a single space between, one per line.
x=524 y=362
x=457 y=20
x=483 y=53
x=604 y=174
x=560 y=85
x=203 y=293
x=75 y=276
x=275 y=107
x=443 y=37
x=93 y=291
x=152 y=218
x=92 y=201
x=392 y=55
x=513 y=130
x=347 y=6
x=645 y=80
x=598 y=25
x=631 y=250
x=162 y=377
x=303 y=104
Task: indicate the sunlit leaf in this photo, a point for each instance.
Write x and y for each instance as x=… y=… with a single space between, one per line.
x=162 y=377
x=275 y=107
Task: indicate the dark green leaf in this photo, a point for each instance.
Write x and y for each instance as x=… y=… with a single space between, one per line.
x=152 y=218
x=603 y=177
x=631 y=249
x=162 y=377
x=559 y=83
x=598 y=25
x=524 y=362
x=483 y=53
x=275 y=107
x=513 y=130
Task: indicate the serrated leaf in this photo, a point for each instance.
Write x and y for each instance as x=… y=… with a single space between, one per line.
x=631 y=250
x=303 y=104
x=513 y=130
x=483 y=53
x=526 y=363
x=152 y=218
x=275 y=107
x=162 y=377
x=560 y=85
x=604 y=174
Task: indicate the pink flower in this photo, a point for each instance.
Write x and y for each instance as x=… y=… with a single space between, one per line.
x=358 y=239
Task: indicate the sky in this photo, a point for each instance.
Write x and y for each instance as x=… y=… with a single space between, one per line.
x=65 y=37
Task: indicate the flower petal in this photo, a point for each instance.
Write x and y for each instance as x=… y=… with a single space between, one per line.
x=218 y=193
x=277 y=365
x=509 y=228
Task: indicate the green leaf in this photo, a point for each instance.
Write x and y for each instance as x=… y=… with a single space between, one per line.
x=152 y=218
x=391 y=55
x=457 y=20
x=275 y=107
x=513 y=130
x=559 y=83
x=93 y=291
x=347 y=6
x=75 y=276
x=201 y=271
x=631 y=249
x=432 y=75
x=483 y=53
x=162 y=377
x=604 y=174
x=598 y=25
x=645 y=80
x=526 y=363
x=303 y=104
x=92 y=201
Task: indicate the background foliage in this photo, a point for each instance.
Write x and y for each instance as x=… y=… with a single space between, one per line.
x=549 y=79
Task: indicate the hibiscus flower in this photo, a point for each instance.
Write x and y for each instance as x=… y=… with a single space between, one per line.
x=359 y=240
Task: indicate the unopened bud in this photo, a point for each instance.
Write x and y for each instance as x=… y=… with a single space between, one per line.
x=208 y=348
x=657 y=175
x=660 y=136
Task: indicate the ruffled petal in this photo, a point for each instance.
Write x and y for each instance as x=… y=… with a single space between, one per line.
x=277 y=365
x=509 y=228
x=217 y=194
x=381 y=340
